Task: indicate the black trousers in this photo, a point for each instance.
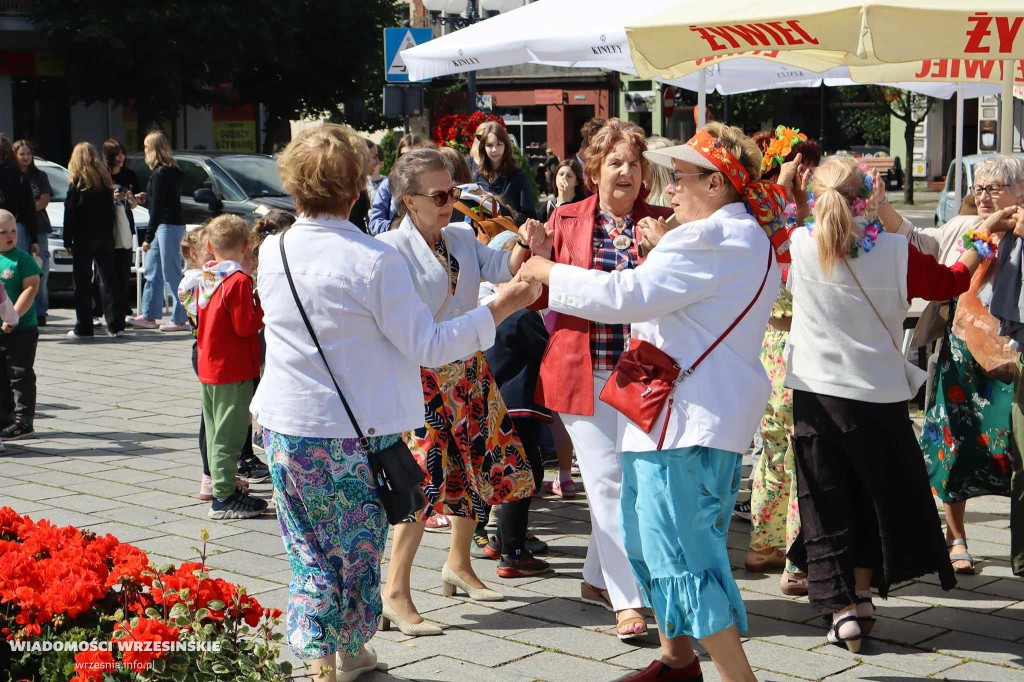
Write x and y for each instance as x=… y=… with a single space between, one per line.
x=247 y=452
x=513 y=518
x=18 y=391
x=122 y=280
x=83 y=255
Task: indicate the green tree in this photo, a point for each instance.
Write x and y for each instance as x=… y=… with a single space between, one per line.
x=310 y=57
x=912 y=109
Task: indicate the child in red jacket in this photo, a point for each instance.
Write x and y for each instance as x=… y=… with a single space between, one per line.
x=229 y=320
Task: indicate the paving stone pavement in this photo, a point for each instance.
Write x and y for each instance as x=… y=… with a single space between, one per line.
x=117 y=453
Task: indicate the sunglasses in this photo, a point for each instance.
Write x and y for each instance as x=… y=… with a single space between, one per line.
x=442 y=198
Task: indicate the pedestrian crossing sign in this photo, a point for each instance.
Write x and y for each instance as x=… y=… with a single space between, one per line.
x=396 y=40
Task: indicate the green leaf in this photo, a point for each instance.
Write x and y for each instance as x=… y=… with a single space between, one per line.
x=152 y=613
x=202 y=613
x=158 y=665
x=178 y=609
x=184 y=592
x=220 y=669
x=182 y=621
x=119 y=614
x=286 y=667
x=216 y=605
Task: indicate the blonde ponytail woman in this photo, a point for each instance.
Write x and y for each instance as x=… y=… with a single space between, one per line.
x=89 y=236
x=867 y=514
x=162 y=240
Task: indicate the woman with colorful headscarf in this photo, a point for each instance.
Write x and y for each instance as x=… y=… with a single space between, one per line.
x=711 y=280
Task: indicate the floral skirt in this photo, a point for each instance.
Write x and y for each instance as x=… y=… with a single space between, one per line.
x=334 y=532
x=966 y=439
x=774 y=509
x=468 y=446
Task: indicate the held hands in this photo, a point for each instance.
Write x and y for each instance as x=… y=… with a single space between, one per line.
x=652 y=230
x=145 y=246
x=517 y=293
x=535 y=235
x=1004 y=220
x=7 y=329
x=537 y=269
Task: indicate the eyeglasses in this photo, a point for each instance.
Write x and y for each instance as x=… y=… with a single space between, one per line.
x=442 y=198
x=677 y=176
x=992 y=190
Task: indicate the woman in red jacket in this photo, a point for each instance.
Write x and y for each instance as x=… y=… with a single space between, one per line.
x=600 y=232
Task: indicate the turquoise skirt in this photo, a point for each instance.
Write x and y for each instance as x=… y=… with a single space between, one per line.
x=675 y=511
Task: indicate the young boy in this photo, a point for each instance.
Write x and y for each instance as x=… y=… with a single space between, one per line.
x=20 y=274
x=228 y=320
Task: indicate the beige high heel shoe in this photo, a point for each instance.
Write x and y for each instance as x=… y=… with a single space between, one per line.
x=423 y=629
x=450 y=580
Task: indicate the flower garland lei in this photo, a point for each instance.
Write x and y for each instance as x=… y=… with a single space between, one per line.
x=857 y=206
x=984 y=244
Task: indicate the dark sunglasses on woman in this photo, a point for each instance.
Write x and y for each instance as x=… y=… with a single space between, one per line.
x=442 y=198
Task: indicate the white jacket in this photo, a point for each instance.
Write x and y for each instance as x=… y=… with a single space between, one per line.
x=374 y=329
x=682 y=298
x=476 y=263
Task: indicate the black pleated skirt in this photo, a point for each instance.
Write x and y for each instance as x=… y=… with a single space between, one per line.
x=864 y=498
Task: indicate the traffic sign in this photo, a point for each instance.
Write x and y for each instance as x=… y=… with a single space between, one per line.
x=396 y=40
x=669 y=99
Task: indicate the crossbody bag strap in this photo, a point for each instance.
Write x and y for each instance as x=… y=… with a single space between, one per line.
x=688 y=372
x=737 y=320
x=309 y=327
x=873 y=308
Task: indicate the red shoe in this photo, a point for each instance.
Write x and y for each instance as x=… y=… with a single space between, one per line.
x=521 y=565
x=438 y=523
x=659 y=672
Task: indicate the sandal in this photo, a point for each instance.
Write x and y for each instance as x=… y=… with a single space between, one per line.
x=852 y=640
x=865 y=615
x=961 y=556
x=625 y=630
x=438 y=523
x=761 y=562
x=592 y=595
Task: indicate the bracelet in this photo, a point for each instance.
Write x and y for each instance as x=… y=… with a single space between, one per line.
x=982 y=243
x=520 y=242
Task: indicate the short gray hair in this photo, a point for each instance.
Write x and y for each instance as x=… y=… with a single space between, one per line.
x=405 y=176
x=1008 y=169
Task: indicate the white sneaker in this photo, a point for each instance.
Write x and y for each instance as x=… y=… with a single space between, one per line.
x=75 y=336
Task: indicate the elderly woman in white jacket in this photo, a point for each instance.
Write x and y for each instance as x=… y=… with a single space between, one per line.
x=716 y=269
x=466 y=442
x=375 y=333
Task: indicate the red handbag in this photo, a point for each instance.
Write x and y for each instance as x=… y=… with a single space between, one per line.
x=646 y=376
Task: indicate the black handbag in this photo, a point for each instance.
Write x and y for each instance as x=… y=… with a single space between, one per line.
x=395 y=470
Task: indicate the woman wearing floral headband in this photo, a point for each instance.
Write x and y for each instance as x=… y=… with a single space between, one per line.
x=710 y=281
x=789 y=157
x=967 y=433
x=867 y=515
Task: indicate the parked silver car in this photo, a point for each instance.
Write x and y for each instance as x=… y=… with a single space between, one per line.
x=60 y=259
x=945 y=209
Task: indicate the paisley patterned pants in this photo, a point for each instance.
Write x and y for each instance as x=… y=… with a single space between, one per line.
x=334 y=532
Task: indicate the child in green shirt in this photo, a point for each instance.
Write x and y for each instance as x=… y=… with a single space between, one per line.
x=20 y=275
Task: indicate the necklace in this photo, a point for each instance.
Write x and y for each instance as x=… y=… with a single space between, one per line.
x=867 y=242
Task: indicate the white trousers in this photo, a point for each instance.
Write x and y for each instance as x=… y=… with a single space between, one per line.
x=594 y=439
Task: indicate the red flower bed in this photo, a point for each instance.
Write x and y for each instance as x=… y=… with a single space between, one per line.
x=456 y=130
x=56 y=582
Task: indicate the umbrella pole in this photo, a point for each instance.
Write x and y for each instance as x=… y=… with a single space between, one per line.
x=702 y=98
x=1006 y=115
x=958 y=182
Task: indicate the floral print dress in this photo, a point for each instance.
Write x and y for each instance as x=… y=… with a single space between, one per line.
x=966 y=438
x=774 y=511
x=468 y=446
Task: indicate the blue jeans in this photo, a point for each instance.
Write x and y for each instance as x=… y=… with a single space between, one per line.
x=163 y=265
x=42 y=298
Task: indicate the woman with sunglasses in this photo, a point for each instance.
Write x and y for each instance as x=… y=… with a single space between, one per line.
x=966 y=439
x=467 y=445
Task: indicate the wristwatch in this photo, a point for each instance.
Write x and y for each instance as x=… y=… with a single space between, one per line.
x=520 y=242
